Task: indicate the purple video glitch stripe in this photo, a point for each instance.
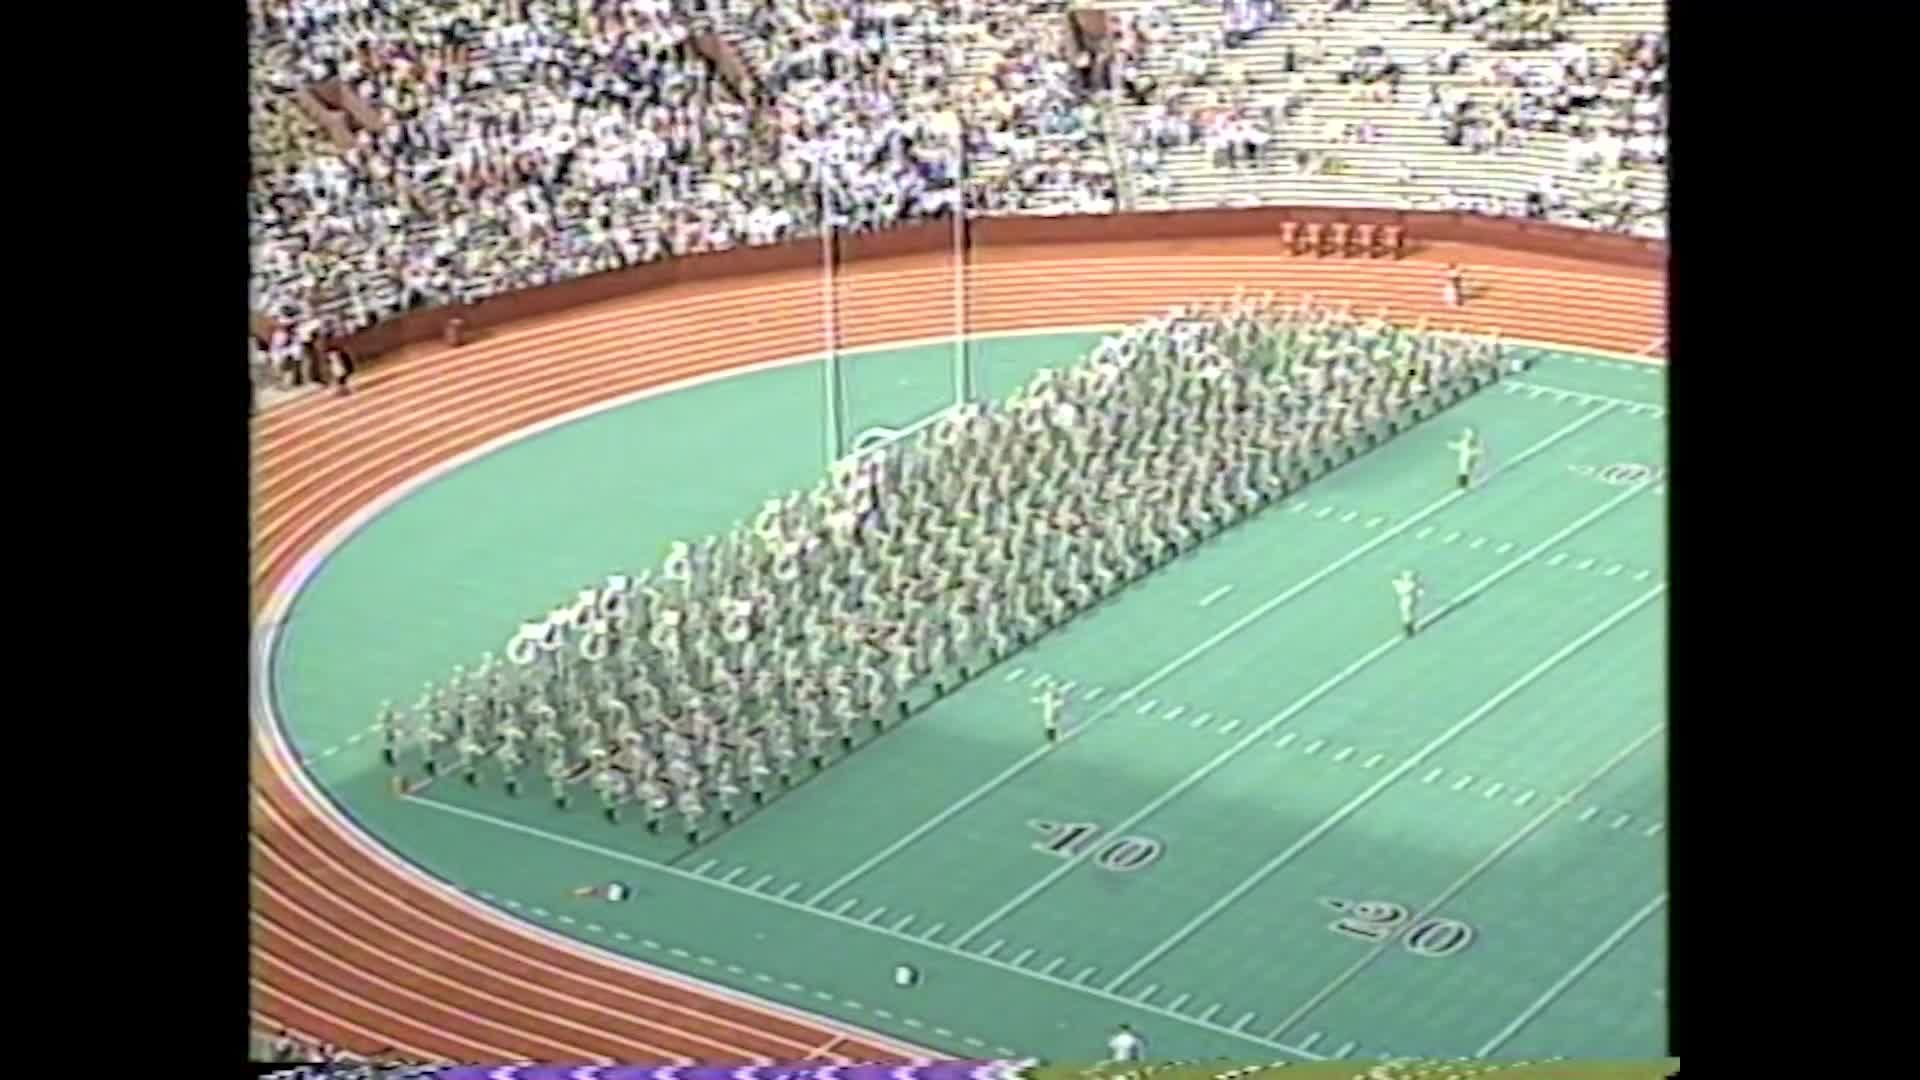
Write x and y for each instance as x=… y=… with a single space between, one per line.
x=945 y=1070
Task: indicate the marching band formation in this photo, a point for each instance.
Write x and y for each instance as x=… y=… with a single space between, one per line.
x=752 y=659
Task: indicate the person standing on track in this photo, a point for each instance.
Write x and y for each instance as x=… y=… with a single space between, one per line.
x=1455 y=292
x=1409 y=590
x=1470 y=448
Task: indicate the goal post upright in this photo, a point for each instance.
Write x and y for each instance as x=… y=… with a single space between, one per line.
x=834 y=437
x=963 y=390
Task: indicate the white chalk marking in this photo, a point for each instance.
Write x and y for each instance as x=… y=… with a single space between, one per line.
x=1174 y=713
x=1372 y=761
x=1432 y=776
x=1281 y=743
x=1227 y=728
x=1599 y=952
x=1462 y=782
x=1207 y=600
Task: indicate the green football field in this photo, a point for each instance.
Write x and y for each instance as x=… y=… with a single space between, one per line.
x=1277 y=828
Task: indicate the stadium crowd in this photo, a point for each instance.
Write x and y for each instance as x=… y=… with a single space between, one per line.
x=754 y=658
x=489 y=145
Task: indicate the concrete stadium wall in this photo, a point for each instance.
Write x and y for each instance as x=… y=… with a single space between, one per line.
x=1420 y=228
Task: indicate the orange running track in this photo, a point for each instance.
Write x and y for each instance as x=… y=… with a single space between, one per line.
x=350 y=945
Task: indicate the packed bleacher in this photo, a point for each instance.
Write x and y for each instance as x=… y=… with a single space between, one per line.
x=410 y=153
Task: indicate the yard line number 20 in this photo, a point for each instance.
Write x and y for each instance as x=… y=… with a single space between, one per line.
x=1382 y=920
x=1069 y=839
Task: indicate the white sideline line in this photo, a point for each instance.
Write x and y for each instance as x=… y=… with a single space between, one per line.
x=1599 y=953
x=993 y=784
x=1353 y=805
x=1522 y=384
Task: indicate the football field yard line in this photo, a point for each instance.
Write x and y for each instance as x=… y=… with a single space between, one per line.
x=848 y=921
x=1519 y=837
x=995 y=782
x=1072 y=862
x=1391 y=777
x=1599 y=953
x=1525 y=384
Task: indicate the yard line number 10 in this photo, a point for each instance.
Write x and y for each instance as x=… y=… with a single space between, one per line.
x=1070 y=839
x=1382 y=920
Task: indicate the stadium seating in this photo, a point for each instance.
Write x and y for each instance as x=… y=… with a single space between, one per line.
x=412 y=154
